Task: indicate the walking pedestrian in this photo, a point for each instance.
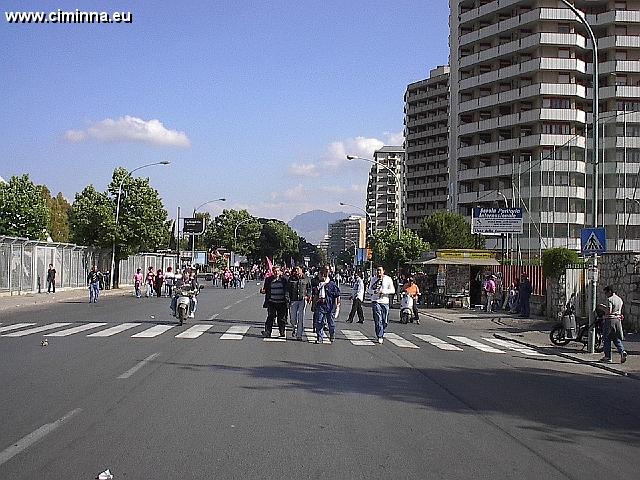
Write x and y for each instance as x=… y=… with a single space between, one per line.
x=276 y=292
x=150 y=280
x=51 y=279
x=137 y=282
x=357 y=297
x=489 y=287
x=524 y=295
x=380 y=288
x=93 y=281
x=299 y=296
x=612 y=327
x=158 y=282
x=327 y=304
x=169 y=280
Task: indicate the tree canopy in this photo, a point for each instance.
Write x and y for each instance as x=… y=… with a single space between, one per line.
x=388 y=249
x=24 y=209
x=448 y=230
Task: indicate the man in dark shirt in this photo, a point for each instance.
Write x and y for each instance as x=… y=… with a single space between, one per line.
x=276 y=291
x=51 y=279
x=93 y=280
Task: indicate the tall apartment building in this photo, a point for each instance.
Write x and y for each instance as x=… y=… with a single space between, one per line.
x=521 y=103
x=383 y=192
x=346 y=234
x=426 y=131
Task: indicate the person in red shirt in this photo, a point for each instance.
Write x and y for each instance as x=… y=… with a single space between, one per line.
x=414 y=292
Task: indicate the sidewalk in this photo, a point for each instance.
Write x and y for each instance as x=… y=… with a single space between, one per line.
x=33 y=300
x=534 y=332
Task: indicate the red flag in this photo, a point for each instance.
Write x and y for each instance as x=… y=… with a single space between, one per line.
x=269 y=267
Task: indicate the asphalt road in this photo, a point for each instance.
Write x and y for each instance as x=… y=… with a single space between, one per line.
x=206 y=407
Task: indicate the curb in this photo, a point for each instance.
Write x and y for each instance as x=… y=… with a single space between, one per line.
x=436 y=318
x=601 y=366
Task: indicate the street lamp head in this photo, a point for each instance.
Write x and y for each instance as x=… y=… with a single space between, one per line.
x=222 y=199
x=165 y=162
x=350 y=157
x=342 y=203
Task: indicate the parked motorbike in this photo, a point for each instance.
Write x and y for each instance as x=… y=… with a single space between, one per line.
x=567 y=330
x=406 y=308
x=186 y=297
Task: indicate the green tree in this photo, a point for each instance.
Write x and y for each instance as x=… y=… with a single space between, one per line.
x=448 y=230
x=388 y=250
x=278 y=241
x=307 y=249
x=24 y=210
x=92 y=218
x=556 y=260
x=58 y=227
x=234 y=230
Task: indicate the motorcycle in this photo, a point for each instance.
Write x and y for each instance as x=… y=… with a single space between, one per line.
x=567 y=330
x=185 y=298
x=406 y=308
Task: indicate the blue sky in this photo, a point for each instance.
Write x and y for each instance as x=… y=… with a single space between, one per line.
x=253 y=101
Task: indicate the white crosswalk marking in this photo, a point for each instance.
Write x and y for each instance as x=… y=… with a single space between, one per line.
x=153 y=331
x=15 y=326
x=113 y=330
x=477 y=345
x=436 y=342
x=275 y=336
x=194 y=332
x=399 y=341
x=356 y=337
x=514 y=346
x=71 y=331
x=43 y=328
x=312 y=337
x=236 y=332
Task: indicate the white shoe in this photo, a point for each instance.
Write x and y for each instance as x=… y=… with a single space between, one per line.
x=191 y=315
x=380 y=340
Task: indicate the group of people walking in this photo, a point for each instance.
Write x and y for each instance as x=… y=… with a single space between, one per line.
x=154 y=282
x=515 y=300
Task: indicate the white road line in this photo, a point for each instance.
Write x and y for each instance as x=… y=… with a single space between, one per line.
x=239 y=301
x=43 y=328
x=28 y=440
x=477 y=345
x=275 y=336
x=399 y=341
x=227 y=307
x=153 y=331
x=514 y=346
x=312 y=336
x=71 y=331
x=194 y=332
x=133 y=370
x=113 y=330
x=356 y=337
x=436 y=342
x=15 y=326
x=214 y=316
x=236 y=332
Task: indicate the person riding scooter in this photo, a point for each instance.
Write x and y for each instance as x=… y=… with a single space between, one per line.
x=188 y=283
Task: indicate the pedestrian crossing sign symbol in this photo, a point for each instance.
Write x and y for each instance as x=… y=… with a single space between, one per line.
x=593 y=240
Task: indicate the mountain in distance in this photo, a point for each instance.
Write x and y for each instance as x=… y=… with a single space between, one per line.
x=314 y=225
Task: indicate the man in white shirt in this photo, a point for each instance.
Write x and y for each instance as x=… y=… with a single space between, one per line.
x=612 y=327
x=357 y=297
x=380 y=288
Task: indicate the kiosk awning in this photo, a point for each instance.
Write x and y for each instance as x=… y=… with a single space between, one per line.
x=459 y=261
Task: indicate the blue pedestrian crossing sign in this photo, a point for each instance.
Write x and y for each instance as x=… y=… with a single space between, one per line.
x=593 y=240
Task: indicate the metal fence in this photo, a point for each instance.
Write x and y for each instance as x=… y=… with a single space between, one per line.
x=24 y=264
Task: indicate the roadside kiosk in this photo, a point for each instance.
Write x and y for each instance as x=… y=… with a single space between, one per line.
x=452 y=276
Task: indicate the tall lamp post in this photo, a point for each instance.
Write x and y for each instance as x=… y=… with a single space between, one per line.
x=235 y=231
x=113 y=246
x=594 y=277
x=355 y=248
x=193 y=246
x=399 y=185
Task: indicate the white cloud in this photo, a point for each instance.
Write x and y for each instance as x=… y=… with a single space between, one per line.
x=394 y=138
x=131 y=129
x=303 y=170
x=359 y=146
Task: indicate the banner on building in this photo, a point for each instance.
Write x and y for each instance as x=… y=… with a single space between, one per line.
x=496 y=221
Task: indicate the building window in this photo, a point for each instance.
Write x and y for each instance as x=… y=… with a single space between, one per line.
x=564 y=77
x=564 y=28
x=556 y=103
x=564 y=53
x=556 y=128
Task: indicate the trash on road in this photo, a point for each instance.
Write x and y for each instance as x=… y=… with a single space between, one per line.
x=44 y=343
x=106 y=475
x=152 y=316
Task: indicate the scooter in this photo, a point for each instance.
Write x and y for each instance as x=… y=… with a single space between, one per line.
x=183 y=303
x=567 y=331
x=406 y=308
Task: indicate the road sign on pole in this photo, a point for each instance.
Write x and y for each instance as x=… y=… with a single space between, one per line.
x=193 y=226
x=593 y=241
x=496 y=221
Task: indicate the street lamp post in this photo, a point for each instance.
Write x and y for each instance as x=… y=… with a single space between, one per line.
x=594 y=278
x=504 y=235
x=193 y=246
x=235 y=231
x=355 y=248
x=113 y=246
x=399 y=185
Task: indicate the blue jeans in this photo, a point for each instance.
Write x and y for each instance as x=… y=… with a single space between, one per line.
x=94 y=292
x=320 y=317
x=380 y=317
x=609 y=330
x=296 y=316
